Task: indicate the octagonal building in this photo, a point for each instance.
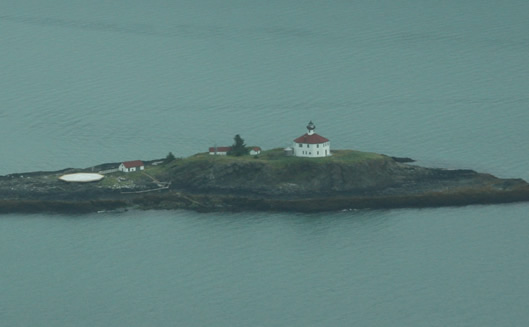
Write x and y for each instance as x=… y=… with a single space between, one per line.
x=311 y=144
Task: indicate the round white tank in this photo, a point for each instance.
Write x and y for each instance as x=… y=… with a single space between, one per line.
x=81 y=177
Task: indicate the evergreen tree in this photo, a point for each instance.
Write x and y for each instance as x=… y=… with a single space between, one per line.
x=170 y=157
x=238 y=148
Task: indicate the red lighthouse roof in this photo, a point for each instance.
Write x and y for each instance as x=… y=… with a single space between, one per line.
x=311 y=139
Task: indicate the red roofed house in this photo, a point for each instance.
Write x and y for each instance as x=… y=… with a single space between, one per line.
x=130 y=166
x=255 y=150
x=219 y=150
x=311 y=144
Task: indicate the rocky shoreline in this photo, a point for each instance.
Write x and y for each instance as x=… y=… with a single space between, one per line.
x=351 y=180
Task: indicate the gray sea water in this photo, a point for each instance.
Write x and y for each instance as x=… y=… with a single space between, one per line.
x=87 y=82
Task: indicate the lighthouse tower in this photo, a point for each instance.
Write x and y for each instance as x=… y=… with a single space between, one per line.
x=312 y=145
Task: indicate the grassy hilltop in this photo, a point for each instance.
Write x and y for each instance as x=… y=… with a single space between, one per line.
x=273 y=173
x=270 y=173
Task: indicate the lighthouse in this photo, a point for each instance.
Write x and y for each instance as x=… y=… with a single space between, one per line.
x=312 y=145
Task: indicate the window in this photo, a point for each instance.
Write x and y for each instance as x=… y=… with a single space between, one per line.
x=300 y=145
x=318 y=152
x=317 y=145
x=307 y=145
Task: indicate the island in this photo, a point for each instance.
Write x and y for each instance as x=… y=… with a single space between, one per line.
x=271 y=180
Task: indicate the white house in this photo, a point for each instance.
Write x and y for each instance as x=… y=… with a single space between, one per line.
x=219 y=150
x=130 y=166
x=311 y=144
x=255 y=150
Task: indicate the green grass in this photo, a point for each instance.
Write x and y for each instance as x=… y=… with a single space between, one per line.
x=275 y=158
x=111 y=180
x=353 y=156
x=121 y=179
x=278 y=156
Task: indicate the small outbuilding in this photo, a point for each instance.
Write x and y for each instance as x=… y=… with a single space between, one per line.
x=255 y=150
x=131 y=166
x=288 y=151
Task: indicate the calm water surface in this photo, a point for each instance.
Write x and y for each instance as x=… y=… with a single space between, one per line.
x=445 y=83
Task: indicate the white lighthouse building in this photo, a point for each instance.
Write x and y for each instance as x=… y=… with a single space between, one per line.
x=311 y=144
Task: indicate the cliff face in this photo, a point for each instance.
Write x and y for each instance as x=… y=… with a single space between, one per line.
x=298 y=179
